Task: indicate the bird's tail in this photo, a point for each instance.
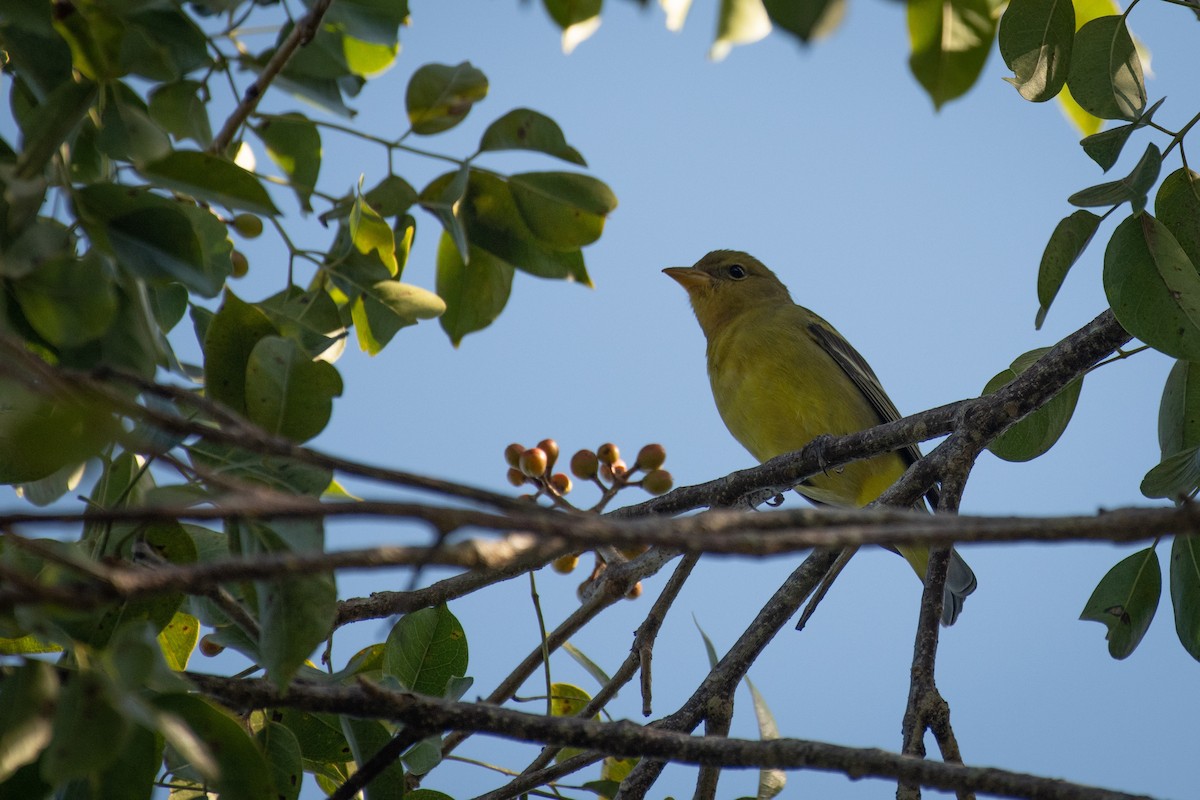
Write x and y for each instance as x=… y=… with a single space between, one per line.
x=960 y=582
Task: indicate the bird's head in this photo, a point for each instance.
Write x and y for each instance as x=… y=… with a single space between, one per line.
x=726 y=283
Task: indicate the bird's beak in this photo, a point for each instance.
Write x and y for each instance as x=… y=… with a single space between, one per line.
x=689 y=277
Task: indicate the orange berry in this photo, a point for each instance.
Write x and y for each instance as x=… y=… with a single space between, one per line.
x=560 y=482
x=512 y=454
x=651 y=457
x=608 y=453
x=550 y=448
x=584 y=465
x=658 y=481
x=210 y=648
x=635 y=592
x=565 y=564
x=516 y=477
x=534 y=462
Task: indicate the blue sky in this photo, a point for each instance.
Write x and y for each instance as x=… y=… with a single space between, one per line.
x=917 y=234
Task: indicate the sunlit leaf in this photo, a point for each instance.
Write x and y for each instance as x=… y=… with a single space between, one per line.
x=439 y=95
x=950 y=42
x=739 y=22
x=294 y=144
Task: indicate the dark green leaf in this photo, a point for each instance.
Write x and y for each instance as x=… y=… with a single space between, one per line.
x=294 y=144
x=88 y=731
x=1071 y=236
x=366 y=737
x=282 y=751
x=1185 y=592
x=1134 y=187
x=1177 y=206
x=127 y=131
x=950 y=41
x=1105 y=148
x=476 y=294
x=525 y=129
x=443 y=198
x=566 y=13
x=181 y=111
x=1035 y=42
x=94 y=32
x=51 y=124
x=27 y=692
x=1176 y=476
x=36 y=51
x=131 y=774
x=211 y=178
x=1179 y=409
x=232 y=335
x=242 y=772
x=319 y=735
x=373 y=21
x=425 y=649
x=565 y=210
x=156 y=238
x=807 y=20
x=163 y=44
x=1036 y=433
x=1125 y=601
x=439 y=95
x=41 y=434
x=1106 y=72
x=68 y=301
x=391 y=197
x=43 y=239
x=282 y=474
x=310 y=317
x=287 y=392
x=424 y=755
x=1153 y=287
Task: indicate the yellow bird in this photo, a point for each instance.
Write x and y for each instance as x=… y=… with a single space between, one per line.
x=781 y=376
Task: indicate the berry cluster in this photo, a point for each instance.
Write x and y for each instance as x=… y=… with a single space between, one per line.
x=603 y=467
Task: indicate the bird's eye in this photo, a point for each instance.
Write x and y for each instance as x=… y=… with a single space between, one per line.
x=737 y=272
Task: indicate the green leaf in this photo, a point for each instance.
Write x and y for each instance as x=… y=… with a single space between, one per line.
x=439 y=96
x=1134 y=187
x=178 y=640
x=179 y=109
x=1070 y=238
x=423 y=756
x=131 y=774
x=294 y=143
x=389 y=306
x=1105 y=148
x=40 y=434
x=709 y=648
x=282 y=751
x=88 y=730
x=591 y=667
x=1125 y=601
x=163 y=44
x=211 y=178
x=565 y=210
x=1106 y=72
x=1175 y=477
x=391 y=197
x=443 y=198
x=375 y=21
x=567 y=700
x=950 y=41
x=232 y=336
x=320 y=735
x=1179 y=409
x=738 y=22
x=1153 y=287
x=287 y=392
x=127 y=131
x=27 y=693
x=94 y=32
x=1177 y=206
x=1185 y=592
x=525 y=129
x=476 y=294
x=242 y=772
x=367 y=737
x=807 y=20
x=156 y=238
x=42 y=240
x=281 y=474
x=52 y=123
x=1036 y=433
x=68 y=301
x=310 y=318
x=1035 y=42
x=425 y=649
x=369 y=233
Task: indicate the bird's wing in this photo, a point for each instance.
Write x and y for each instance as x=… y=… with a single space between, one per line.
x=860 y=372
